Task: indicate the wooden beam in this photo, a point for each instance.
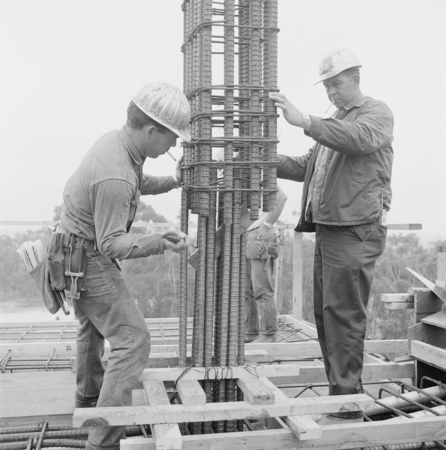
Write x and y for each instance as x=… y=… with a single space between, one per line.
x=191 y=393
x=404 y=226
x=136 y=415
x=394 y=298
x=429 y=354
x=297 y=276
x=399 y=305
x=438 y=319
x=348 y=436
x=371 y=372
x=166 y=436
x=427 y=333
x=199 y=373
x=303 y=427
x=313 y=349
x=256 y=392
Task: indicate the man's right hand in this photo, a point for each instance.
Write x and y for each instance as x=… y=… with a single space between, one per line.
x=175 y=240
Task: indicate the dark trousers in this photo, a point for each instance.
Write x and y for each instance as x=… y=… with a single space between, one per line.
x=107 y=310
x=344 y=263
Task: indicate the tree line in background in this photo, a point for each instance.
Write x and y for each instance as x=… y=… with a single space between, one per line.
x=154 y=281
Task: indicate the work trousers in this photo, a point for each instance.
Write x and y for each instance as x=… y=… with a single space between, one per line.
x=107 y=310
x=259 y=298
x=344 y=263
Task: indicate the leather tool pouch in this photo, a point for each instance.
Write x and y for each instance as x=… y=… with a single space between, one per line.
x=75 y=267
x=41 y=277
x=56 y=261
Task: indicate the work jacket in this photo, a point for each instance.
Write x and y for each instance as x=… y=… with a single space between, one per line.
x=356 y=184
x=101 y=198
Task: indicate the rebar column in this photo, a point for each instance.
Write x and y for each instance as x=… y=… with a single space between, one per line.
x=235 y=42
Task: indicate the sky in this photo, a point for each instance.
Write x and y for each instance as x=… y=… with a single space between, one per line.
x=69 y=69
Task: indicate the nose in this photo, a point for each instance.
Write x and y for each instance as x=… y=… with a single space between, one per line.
x=174 y=143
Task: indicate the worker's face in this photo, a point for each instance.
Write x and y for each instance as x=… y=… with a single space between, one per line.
x=159 y=143
x=341 y=89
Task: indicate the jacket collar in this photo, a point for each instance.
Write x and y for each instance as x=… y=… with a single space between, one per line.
x=128 y=144
x=358 y=102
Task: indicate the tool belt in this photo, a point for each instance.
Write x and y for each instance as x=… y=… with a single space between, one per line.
x=262 y=247
x=67 y=262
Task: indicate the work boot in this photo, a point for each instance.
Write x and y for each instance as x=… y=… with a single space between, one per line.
x=266 y=339
x=85 y=402
x=250 y=338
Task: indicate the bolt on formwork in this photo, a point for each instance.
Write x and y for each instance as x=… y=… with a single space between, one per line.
x=230 y=66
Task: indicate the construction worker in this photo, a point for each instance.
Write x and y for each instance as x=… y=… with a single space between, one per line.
x=346 y=196
x=100 y=201
x=262 y=248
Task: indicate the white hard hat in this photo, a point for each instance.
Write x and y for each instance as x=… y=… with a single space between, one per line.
x=336 y=61
x=166 y=104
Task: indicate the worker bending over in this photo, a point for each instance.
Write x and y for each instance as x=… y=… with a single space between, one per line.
x=100 y=201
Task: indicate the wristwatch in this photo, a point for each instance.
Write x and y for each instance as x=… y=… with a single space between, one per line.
x=306 y=119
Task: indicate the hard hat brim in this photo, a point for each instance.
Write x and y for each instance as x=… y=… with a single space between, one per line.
x=336 y=72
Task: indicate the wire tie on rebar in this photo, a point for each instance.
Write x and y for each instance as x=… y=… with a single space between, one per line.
x=252 y=370
x=185 y=371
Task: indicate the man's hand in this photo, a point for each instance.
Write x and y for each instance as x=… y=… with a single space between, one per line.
x=175 y=240
x=290 y=112
x=179 y=171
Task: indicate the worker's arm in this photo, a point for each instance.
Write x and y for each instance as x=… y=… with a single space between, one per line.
x=371 y=130
x=272 y=216
x=111 y=203
x=293 y=167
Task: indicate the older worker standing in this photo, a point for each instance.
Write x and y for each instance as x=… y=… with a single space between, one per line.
x=100 y=201
x=346 y=196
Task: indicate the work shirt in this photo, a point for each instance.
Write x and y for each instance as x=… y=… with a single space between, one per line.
x=316 y=184
x=101 y=198
x=358 y=168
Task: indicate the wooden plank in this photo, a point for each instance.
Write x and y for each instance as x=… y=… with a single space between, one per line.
x=404 y=226
x=393 y=298
x=348 y=436
x=405 y=305
x=427 y=333
x=166 y=436
x=199 y=373
x=303 y=427
x=136 y=415
x=255 y=390
x=425 y=304
x=191 y=393
x=278 y=291
x=438 y=319
x=371 y=372
x=297 y=276
x=429 y=354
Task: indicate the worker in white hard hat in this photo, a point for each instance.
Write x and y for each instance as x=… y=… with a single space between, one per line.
x=100 y=201
x=346 y=196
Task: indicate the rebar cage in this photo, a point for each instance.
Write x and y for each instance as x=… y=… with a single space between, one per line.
x=230 y=166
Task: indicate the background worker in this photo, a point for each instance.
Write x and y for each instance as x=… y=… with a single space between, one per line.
x=346 y=196
x=262 y=249
x=100 y=201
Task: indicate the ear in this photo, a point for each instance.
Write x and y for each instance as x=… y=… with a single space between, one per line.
x=356 y=80
x=150 y=131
